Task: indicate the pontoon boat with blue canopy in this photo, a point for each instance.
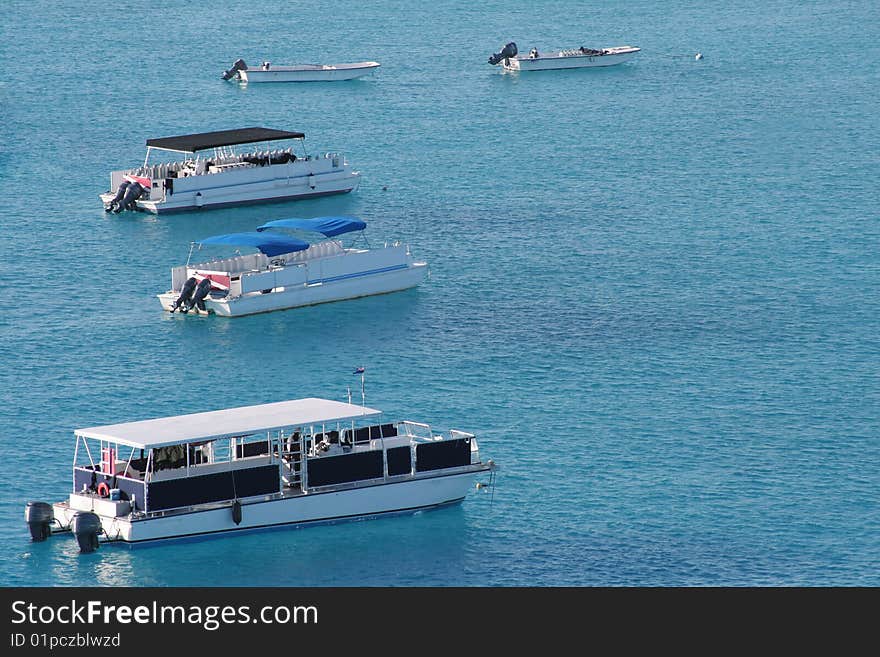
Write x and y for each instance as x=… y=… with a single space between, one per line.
x=289 y=272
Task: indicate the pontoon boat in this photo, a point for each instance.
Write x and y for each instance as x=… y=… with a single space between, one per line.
x=289 y=272
x=217 y=172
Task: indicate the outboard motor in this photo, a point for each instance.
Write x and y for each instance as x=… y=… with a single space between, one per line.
x=238 y=65
x=86 y=526
x=507 y=52
x=39 y=517
x=120 y=193
x=198 y=298
x=185 y=293
x=133 y=193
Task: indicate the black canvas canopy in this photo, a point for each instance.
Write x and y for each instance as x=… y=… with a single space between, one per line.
x=206 y=140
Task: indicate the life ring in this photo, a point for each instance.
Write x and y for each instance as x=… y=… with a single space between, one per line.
x=103 y=489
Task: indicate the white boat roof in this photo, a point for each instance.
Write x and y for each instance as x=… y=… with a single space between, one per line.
x=246 y=420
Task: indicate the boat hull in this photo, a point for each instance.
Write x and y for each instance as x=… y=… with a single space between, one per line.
x=408 y=495
x=263 y=191
x=569 y=61
x=353 y=286
x=306 y=73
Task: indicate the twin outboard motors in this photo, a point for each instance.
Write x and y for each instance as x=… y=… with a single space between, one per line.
x=238 y=65
x=192 y=295
x=506 y=52
x=86 y=526
x=198 y=297
x=126 y=195
x=185 y=294
x=39 y=517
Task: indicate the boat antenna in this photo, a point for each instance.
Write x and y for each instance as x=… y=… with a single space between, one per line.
x=192 y=245
x=360 y=369
x=349 y=394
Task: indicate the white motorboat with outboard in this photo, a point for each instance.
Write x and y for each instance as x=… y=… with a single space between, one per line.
x=288 y=272
x=268 y=72
x=288 y=463
x=582 y=57
x=218 y=172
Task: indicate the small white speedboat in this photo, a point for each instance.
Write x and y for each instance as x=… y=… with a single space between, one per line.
x=289 y=272
x=582 y=57
x=268 y=72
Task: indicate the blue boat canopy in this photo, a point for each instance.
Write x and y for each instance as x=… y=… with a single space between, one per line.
x=272 y=244
x=329 y=226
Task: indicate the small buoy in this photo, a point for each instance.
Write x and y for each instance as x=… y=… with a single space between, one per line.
x=698 y=56
x=481 y=485
x=384 y=188
x=236 y=512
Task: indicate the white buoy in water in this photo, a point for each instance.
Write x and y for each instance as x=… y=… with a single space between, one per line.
x=698 y=56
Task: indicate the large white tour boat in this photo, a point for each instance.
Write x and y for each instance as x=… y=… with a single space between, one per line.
x=287 y=463
x=268 y=72
x=288 y=272
x=581 y=57
x=224 y=168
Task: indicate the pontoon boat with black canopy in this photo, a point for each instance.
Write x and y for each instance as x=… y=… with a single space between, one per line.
x=218 y=173
x=285 y=463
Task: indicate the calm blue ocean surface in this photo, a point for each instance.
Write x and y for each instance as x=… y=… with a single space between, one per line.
x=653 y=295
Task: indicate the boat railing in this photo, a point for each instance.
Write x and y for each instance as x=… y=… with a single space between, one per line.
x=415 y=430
x=216 y=163
x=96 y=470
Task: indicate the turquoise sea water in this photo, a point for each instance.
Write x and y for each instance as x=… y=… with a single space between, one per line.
x=653 y=291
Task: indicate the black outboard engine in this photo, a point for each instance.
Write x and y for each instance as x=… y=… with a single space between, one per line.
x=133 y=193
x=86 y=526
x=238 y=65
x=185 y=293
x=507 y=52
x=120 y=193
x=39 y=517
x=198 y=298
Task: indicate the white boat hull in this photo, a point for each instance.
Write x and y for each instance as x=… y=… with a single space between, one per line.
x=351 y=285
x=307 y=73
x=318 y=176
x=406 y=496
x=264 y=191
x=555 y=61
